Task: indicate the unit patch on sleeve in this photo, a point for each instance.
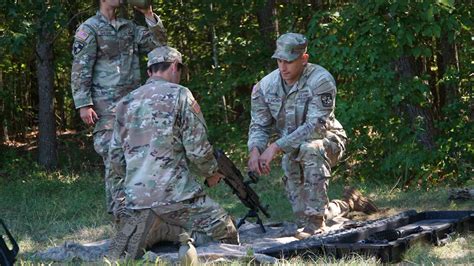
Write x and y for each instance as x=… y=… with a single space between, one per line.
x=77 y=47
x=326 y=99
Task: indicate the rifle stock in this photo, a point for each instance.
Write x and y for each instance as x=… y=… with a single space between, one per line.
x=234 y=179
x=7 y=256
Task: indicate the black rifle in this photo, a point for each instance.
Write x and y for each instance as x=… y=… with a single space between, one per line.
x=7 y=256
x=385 y=236
x=234 y=179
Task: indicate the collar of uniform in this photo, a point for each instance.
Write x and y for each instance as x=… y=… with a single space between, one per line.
x=154 y=79
x=299 y=83
x=309 y=68
x=119 y=21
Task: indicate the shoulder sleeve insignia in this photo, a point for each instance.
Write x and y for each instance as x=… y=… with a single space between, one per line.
x=254 y=89
x=81 y=35
x=77 y=47
x=327 y=100
x=196 y=107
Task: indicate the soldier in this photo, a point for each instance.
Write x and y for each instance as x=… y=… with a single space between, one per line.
x=158 y=135
x=106 y=67
x=298 y=100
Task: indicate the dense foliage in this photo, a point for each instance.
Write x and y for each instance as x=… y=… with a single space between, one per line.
x=404 y=72
x=391 y=58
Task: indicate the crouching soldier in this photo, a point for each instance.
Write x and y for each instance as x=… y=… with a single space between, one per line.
x=298 y=101
x=159 y=133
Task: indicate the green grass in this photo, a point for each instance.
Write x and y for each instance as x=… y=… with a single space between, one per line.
x=45 y=209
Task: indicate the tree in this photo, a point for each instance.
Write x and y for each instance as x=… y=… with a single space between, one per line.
x=47 y=140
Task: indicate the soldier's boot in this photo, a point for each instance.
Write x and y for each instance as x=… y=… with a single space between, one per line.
x=125 y=228
x=316 y=225
x=232 y=236
x=131 y=236
x=357 y=202
x=224 y=232
x=137 y=243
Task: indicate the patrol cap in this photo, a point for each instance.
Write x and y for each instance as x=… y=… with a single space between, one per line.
x=164 y=54
x=290 y=46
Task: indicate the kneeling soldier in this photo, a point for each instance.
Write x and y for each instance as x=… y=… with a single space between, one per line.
x=159 y=133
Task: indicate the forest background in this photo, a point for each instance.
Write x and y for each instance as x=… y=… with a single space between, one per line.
x=404 y=71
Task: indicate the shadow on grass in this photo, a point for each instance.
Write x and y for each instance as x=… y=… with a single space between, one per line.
x=44 y=208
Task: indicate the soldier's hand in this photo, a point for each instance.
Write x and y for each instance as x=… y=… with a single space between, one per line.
x=214 y=179
x=253 y=164
x=266 y=158
x=88 y=115
x=147 y=12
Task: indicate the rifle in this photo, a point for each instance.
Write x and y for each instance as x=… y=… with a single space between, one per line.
x=7 y=256
x=385 y=236
x=234 y=179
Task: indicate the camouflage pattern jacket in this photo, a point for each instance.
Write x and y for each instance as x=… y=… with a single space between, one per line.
x=158 y=134
x=303 y=114
x=106 y=63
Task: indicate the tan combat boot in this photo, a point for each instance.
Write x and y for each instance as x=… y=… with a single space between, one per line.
x=315 y=226
x=232 y=236
x=357 y=202
x=131 y=236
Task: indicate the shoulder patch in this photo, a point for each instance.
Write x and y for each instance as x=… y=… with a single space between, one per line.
x=81 y=35
x=254 y=89
x=327 y=100
x=196 y=107
x=77 y=47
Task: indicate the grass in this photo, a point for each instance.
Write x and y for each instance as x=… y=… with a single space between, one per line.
x=45 y=209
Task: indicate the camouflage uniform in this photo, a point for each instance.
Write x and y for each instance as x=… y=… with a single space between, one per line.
x=308 y=133
x=106 y=68
x=158 y=134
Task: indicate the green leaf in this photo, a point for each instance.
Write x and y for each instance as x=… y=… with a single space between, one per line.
x=446 y=3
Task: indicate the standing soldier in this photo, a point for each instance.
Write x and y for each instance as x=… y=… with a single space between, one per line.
x=159 y=134
x=298 y=100
x=106 y=67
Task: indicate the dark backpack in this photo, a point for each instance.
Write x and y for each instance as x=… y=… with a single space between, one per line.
x=7 y=256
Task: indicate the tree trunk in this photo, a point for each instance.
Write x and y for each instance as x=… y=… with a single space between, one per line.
x=61 y=114
x=74 y=121
x=268 y=24
x=47 y=142
x=3 y=114
x=418 y=116
x=448 y=61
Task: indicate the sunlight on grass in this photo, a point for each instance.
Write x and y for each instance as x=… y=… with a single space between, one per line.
x=461 y=248
x=311 y=259
x=27 y=244
x=66 y=178
x=46 y=209
x=88 y=234
x=458 y=251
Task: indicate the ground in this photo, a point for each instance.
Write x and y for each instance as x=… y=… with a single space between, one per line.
x=45 y=209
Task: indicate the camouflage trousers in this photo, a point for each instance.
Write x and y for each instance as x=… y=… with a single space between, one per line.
x=307 y=172
x=101 y=146
x=202 y=218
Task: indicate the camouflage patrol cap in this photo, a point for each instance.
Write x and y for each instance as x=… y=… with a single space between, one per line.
x=164 y=54
x=290 y=46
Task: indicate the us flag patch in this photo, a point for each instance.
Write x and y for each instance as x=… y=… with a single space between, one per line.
x=196 y=107
x=82 y=35
x=254 y=89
